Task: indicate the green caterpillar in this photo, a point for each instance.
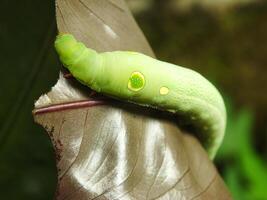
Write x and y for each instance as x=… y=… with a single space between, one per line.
x=143 y=80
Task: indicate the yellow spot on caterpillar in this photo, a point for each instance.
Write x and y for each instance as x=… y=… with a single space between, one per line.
x=136 y=81
x=164 y=90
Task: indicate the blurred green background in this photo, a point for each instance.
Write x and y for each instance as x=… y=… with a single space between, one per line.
x=224 y=40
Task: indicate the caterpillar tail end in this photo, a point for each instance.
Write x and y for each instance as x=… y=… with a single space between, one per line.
x=212 y=152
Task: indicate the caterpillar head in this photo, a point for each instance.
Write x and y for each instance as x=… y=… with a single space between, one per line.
x=68 y=49
x=82 y=62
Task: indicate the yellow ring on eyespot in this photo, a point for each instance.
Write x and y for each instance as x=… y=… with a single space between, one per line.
x=136 y=81
x=164 y=90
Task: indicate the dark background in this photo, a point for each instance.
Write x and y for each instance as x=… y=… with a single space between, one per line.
x=225 y=42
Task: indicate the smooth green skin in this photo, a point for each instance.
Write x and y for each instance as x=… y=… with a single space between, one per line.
x=190 y=94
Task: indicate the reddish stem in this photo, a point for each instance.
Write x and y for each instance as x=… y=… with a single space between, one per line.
x=67 y=106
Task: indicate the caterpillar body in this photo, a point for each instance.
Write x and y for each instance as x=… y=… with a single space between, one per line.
x=146 y=81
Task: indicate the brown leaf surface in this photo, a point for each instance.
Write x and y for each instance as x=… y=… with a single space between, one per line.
x=111 y=150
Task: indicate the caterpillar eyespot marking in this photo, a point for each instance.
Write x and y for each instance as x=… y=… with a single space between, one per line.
x=172 y=88
x=136 y=81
